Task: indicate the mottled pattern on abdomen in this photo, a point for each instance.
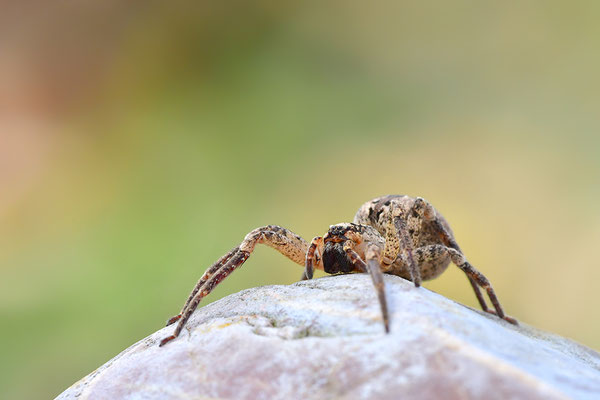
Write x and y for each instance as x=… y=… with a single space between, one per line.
x=376 y=212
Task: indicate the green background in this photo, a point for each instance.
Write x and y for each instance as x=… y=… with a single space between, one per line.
x=141 y=141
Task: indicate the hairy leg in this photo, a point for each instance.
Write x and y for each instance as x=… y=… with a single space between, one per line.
x=449 y=241
x=373 y=267
x=311 y=258
x=234 y=262
x=281 y=239
x=435 y=252
x=207 y=274
x=407 y=227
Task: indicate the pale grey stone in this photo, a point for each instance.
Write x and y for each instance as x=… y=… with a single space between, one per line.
x=324 y=339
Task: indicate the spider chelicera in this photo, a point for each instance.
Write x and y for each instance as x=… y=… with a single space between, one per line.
x=393 y=234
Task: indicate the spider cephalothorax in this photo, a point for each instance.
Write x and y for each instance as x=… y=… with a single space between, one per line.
x=394 y=234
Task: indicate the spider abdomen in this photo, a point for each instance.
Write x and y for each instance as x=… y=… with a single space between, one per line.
x=376 y=213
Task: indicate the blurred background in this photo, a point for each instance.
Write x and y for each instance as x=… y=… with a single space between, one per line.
x=139 y=141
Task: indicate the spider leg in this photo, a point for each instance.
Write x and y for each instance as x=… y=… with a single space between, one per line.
x=449 y=241
x=311 y=257
x=373 y=267
x=407 y=228
x=479 y=296
x=391 y=248
x=209 y=272
x=437 y=251
x=281 y=239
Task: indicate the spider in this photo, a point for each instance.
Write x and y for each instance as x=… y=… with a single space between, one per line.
x=394 y=234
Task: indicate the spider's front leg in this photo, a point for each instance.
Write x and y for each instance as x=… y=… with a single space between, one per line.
x=373 y=267
x=285 y=241
x=207 y=274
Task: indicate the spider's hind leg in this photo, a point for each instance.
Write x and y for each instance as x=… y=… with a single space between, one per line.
x=438 y=252
x=475 y=277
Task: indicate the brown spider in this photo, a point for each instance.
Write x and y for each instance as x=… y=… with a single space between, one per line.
x=394 y=234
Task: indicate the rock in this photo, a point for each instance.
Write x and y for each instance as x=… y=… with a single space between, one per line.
x=324 y=339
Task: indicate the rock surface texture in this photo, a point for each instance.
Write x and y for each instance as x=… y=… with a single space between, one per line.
x=324 y=339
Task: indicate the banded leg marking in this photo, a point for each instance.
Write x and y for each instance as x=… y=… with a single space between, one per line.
x=209 y=272
x=311 y=255
x=373 y=267
x=449 y=241
x=281 y=239
x=436 y=251
x=407 y=247
x=234 y=262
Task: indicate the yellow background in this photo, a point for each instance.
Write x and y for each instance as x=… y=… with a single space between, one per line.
x=139 y=141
